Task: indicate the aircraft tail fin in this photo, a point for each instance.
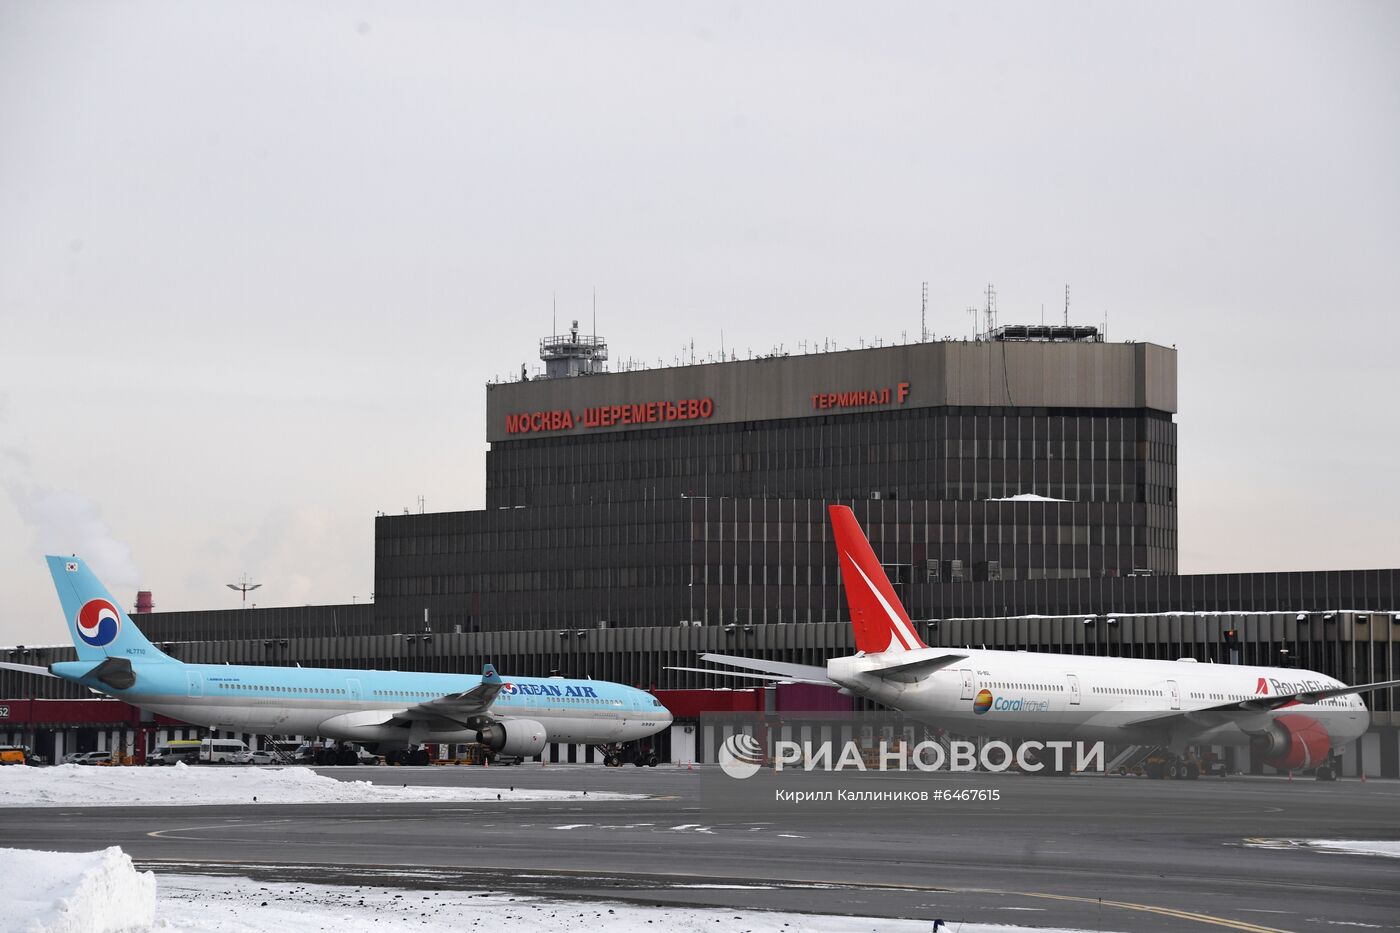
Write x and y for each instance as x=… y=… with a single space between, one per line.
x=878 y=618
x=100 y=629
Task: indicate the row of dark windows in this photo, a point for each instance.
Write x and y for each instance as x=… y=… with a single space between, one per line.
x=888 y=523
x=505 y=549
x=928 y=453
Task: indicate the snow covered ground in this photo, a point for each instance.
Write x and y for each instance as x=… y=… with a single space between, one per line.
x=101 y=892
x=1387 y=848
x=1357 y=846
x=78 y=786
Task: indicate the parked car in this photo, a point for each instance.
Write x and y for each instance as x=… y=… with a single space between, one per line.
x=93 y=758
x=256 y=758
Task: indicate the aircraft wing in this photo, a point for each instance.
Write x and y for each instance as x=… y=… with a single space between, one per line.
x=460 y=707
x=1262 y=704
x=27 y=669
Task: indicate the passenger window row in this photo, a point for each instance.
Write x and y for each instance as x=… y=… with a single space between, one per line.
x=308 y=691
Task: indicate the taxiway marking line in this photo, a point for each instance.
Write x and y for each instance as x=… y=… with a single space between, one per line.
x=1163 y=911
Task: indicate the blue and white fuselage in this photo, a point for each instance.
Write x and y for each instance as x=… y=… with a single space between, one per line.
x=516 y=716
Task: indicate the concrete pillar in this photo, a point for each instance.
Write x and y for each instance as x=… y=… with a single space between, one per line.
x=1388 y=740
x=1368 y=749
x=682 y=743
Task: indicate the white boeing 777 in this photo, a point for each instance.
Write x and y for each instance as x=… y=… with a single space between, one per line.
x=1294 y=719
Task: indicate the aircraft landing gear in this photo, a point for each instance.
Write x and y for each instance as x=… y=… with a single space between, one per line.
x=1329 y=770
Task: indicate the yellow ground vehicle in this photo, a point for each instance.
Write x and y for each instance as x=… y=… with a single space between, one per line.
x=14 y=755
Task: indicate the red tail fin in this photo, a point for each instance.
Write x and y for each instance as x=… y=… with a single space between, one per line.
x=879 y=620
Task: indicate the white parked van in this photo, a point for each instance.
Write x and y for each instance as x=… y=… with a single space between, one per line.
x=222 y=751
x=176 y=750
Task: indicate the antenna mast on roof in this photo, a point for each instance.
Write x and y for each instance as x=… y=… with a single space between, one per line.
x=991 y=307
x=923 y=317
x=1066 y=304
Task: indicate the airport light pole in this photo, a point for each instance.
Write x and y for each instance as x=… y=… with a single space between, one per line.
x=244 y=587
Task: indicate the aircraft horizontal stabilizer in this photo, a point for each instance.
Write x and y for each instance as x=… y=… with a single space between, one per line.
x=27 y=669
x=808 y=673
x=913 y=669
x=776 y=678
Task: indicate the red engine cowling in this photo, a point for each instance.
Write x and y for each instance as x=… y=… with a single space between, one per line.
x=1293 y=743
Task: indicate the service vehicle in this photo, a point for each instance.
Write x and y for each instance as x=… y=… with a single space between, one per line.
x=168 y=753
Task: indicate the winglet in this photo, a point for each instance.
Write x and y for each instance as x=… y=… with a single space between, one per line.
x=879 y=620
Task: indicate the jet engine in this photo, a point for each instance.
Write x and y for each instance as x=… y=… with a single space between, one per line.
x=523 y=738
x=1292 y=743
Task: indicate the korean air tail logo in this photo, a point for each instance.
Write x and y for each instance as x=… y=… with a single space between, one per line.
x=98 y=623
x=740 y=756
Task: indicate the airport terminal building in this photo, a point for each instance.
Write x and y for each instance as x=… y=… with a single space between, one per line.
x=1020 y=490
x=699 y=493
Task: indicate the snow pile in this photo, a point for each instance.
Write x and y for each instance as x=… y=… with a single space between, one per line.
x=76 y=892
x=1026 y=497
x=79 y=786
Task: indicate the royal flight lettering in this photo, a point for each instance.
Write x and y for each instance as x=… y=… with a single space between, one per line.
x=1298 y=686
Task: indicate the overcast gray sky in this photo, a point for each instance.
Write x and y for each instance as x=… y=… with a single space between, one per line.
x=257 y=260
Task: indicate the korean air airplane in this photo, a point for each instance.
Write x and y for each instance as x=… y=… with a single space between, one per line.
x=1293 y=719
x=390 y=709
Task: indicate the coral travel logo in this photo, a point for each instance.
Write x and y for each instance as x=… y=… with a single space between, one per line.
x=983 y=702
x=740 y=756
x=98 y=623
